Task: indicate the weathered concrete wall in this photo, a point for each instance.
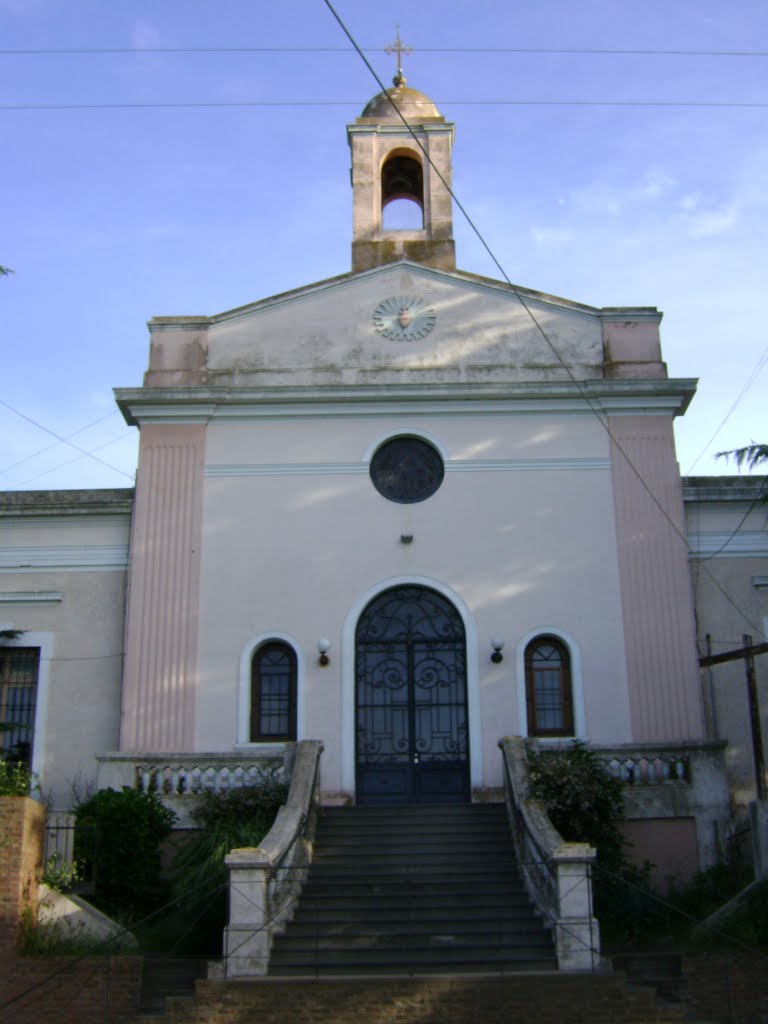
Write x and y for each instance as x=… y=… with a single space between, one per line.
x=729 y=571
x=63 y=558
x=325 y=334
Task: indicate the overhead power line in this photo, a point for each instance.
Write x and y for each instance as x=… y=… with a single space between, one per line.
x=64 y=440
x=356 y=103
x=575 y=51
x=760 y=365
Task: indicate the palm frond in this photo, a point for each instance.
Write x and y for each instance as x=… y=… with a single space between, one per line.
x=751 y=455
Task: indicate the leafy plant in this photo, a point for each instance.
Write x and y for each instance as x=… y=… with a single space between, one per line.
x=117 y=839
x=583 y=799
x=751 y=455
x=584 y=802
x=16 y=779
x=746 y=924
x=230 y=819
x=60 y=875
x=58 y=938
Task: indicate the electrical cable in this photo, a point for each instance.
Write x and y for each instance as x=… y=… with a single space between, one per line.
x=758 y=499
x=64 y=440
x=516 y=292
x=759 y=366
x=99 y=447
x=232 y=104
x=578 y=51
x=48 y=447
x=110 y=944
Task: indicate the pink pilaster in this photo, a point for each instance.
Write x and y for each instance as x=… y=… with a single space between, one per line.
x=160 y=679
x=659 y=626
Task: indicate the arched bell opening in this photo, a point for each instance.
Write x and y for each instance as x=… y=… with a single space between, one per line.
x=402 y=192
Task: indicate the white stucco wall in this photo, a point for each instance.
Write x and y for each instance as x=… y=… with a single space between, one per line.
x=295 y=535
x=62 y=581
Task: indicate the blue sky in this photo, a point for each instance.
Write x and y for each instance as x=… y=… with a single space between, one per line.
x=110 y=216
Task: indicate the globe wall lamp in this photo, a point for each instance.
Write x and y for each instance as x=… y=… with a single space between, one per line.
x=497 y=644
x=323 y=646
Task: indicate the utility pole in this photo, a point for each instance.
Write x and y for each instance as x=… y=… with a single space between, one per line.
x=747 y=653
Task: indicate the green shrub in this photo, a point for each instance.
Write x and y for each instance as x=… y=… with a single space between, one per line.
x=583 y=799
x=230 y=819
x=117 y=837
x=61 y=876
x=746 y=925
x=16 y=779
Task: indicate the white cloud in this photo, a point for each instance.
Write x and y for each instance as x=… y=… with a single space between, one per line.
x=551 y=235
x=656 y=184
x=690 y=202
x=710 y=223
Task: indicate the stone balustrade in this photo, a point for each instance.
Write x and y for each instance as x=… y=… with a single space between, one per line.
x=178 y=775
x=651 y=765
x=265 y=882
x=557 y=874
x=178 y=778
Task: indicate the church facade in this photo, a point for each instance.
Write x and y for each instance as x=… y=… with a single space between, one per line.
x=406 y=511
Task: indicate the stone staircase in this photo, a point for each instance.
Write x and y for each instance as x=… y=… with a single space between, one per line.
x=416 y=915
x=413 y=890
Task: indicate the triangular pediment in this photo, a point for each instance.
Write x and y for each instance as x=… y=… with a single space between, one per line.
x=400 y=323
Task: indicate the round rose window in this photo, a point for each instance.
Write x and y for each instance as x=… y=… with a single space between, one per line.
x=407 y=470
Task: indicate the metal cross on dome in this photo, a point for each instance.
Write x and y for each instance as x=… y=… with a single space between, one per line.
x=400 y=48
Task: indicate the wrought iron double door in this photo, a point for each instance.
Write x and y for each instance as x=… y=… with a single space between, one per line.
x=411 y=700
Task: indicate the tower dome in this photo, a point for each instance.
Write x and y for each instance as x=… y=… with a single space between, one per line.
x=415 y=106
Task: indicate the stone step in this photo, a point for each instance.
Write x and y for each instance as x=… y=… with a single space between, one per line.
x=163 y=976
x=442 y=957
x=419 y=932
x=371 y=915
x=425 y=846
x=469 y=998
x=457 y=887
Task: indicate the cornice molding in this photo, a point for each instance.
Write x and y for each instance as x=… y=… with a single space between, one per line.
x=607 y=397
x=620 y=314
x=31 y=597
x=362 y=468
x=29 y=520
x=744 y=544
x=79 y=558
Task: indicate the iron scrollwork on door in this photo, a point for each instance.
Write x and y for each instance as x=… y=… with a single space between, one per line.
x=411 y=697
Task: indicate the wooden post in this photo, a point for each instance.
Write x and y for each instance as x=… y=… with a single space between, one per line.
x=754 y=717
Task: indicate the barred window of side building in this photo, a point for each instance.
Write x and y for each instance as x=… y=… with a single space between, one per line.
x=19 y=668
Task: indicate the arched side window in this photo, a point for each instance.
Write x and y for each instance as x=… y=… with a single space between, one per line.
x=273 y=692
x=548 y=691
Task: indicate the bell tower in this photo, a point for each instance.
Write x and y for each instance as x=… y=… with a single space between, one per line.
x=389 y=164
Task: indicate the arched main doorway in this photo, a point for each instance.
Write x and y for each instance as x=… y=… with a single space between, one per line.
x=412 y=736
